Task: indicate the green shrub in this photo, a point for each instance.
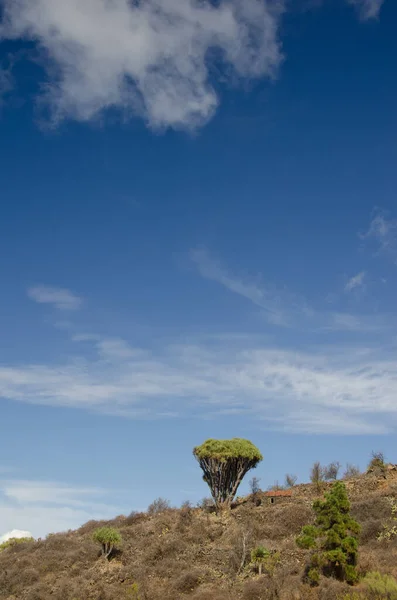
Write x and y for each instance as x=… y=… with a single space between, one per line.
x=14 y=541
x=262 y=558
x=380 y=586
x=333 y=538
x=108 y=538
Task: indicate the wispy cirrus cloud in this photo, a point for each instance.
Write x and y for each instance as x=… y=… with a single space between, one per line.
x=383 y=231
x=42 y=507
x=367 y=9
x=355 y=282
x=152 y=59
x=324 y=386
x=60 y=298
x=281 y=307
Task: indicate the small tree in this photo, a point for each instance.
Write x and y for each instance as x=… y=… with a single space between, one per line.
x=158 y=506
x=331 y=471
x=262 y=558
x=108 y=538
x=290 y=480
x=254 y=486
x=317 y=475
x=351 y=471
x=333 y=538
x=224 y=464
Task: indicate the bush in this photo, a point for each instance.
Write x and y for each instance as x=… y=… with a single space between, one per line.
x=351 y=471
x=158 y=506
x=331 y=471
x=317 y=474
x=108 y=538
x=254 y=486
x=380 y=586
x=262 y=558
x=290 y=480
x=377 y=463
x=14 y=541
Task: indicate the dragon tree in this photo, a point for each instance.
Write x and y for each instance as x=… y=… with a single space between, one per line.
x=224 y=464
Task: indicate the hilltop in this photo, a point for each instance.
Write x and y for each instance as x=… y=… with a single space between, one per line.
x=198 y=554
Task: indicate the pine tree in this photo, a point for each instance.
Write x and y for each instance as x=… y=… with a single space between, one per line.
x=333 y=538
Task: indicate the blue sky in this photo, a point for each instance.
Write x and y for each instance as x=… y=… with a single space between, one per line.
x=198 y=238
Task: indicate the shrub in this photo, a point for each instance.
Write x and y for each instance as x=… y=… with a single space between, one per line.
x=290 y=480
x=390 y=528
x=380 y=586
x=262 y=558
x=14 y=541
x=331 y=471
x=377 y=463
x=317 y=474
x=333 y=537
x=158 y=506
x=351 y=471
x=108 y=538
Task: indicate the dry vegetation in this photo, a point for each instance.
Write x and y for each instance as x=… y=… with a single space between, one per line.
x=197 y=554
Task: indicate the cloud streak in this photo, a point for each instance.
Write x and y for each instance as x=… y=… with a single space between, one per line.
x=355 y=282
x=367 y=9
x=60 y=298
x=153 y=59
x=325 y=387
x=280 y=306
x=384 y=232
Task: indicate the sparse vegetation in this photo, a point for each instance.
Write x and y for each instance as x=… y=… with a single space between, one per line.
x=193 y=552
x=108 y=537
x=224 y=464
x=377 y=463
x=333 y=538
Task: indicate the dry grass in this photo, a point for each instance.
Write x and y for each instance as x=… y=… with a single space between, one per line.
x=190 y=553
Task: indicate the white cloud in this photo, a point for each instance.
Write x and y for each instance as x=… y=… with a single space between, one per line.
x=280 y=306
x=48 y=507
x=15 y=534
x=262 y=382
x=61 y=298
x=355 y=282
x=384 y=232
x=367 y=9
x=283 y=308
x=150 y=58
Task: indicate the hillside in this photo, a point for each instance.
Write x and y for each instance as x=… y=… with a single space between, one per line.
x=197 y=554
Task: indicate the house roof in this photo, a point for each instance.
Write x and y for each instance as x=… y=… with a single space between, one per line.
x=278 y=493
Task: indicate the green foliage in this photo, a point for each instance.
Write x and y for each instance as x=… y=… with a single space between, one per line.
x=390 y=528
x=223 y=450
x=333 y=538
x=380 y=586
x=14 y=541
x=108 y=538
x=262 y=558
